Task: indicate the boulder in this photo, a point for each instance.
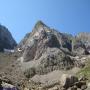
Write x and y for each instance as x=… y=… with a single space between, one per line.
x=88 y=86
x=73 y=88
x=6 y=86
x=83 y=87
x=68 y=80
x=79 y=84
x=54 y=88
x=26 y=89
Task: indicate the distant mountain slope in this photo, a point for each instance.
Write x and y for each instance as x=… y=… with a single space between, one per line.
x=6 y=39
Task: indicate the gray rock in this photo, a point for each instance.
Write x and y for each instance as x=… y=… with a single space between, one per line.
x=68 y=80
x=6 y=39
x=73 y=88
x=47 y=37
x=80 y=84
x=47 y=44
x=83 y=87
x=81 y=43
x=51 y=50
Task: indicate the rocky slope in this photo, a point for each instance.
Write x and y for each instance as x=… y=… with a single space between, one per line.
x=49 y=49
x=66 y=42
x=47 y=59
x=6 y=39
x=46 y=50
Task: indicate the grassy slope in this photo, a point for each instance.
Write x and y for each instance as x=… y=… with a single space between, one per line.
x=6 y=60
x=85 y=71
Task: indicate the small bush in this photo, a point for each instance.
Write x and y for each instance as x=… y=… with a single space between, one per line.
x=30 y=72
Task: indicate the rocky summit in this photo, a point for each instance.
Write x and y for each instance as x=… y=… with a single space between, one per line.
x=47 y=59
x=6 y=39
x=50 y=50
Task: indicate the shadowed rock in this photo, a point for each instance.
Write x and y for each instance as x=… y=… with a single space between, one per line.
x=6 y=39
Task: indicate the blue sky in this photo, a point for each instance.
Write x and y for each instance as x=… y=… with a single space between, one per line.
x=20 y=16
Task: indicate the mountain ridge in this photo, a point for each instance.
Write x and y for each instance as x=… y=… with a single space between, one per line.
x=6 y=39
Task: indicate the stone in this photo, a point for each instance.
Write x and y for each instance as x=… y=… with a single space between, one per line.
x=73 y=88
x=26 y=89
x=68 y=80
x=7 y=86
x=83 y=87
x=80 y=84
x=54 y=88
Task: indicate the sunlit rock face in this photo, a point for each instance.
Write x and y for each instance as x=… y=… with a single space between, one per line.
x=51 y=37
x=6 y=39
x=45 y=50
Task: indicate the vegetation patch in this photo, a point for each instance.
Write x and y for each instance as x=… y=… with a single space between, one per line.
x=85 y=71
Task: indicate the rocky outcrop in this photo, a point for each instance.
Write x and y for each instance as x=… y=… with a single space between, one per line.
x=46 y=50
x=42 y=38
x=81 y=44
x=6 y=84
x=68 y=81
x=51 y=49
x=6 y=39
x=51 y=38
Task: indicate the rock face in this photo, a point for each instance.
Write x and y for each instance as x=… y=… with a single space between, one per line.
x=47 y=36
x=48 y=47
x=67 y=81
x=6 y=39
x=46 y=50
x=81 y=43
x=51 y=49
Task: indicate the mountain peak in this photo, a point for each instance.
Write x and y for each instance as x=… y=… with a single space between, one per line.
x=39 y=24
